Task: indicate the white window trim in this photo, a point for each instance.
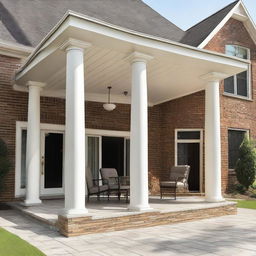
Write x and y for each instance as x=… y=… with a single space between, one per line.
x=247 y=131
x=249 y=76
x=200 y=141
x=19 y=192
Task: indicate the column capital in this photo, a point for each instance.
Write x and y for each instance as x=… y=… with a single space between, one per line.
x=138 y=57
x=214 y=76
x=72 y=43
x=36 y=84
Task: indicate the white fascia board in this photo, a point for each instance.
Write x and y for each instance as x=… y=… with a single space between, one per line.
x=72 y=19
x=15 y=50
x=249 y=23
x=246 y=19
x=41 y=52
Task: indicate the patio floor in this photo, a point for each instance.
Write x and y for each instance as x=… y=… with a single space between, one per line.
x=222 y=236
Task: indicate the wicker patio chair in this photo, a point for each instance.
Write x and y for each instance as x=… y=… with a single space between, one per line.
x=178 y=179
x=118 y=184
x=94 y=186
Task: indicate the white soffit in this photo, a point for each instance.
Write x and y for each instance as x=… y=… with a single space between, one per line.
x=174 y=72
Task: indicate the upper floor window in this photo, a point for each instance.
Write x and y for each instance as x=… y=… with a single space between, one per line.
x=238 y=85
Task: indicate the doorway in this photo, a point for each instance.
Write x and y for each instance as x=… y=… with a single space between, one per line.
x=113 y=153
x=188 y=151
x=52 y=162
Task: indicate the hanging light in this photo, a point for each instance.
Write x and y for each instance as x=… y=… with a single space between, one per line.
x=109 y=106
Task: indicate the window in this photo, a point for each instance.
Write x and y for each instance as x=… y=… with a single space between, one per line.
x=239 y=84
x=235 y=139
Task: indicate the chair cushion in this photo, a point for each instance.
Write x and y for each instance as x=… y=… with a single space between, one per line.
x=171 y=184
x=180 y=172
x=103 y=188
x=107 y=173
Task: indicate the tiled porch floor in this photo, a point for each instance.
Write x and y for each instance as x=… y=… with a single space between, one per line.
x=48 y=211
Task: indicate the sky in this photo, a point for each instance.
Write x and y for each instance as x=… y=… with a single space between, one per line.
x=186 y=13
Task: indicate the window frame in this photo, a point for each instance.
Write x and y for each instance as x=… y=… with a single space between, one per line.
x=247 y=132
x=249 y=89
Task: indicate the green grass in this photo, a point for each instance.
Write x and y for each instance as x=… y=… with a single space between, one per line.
x=249 y=204
x=12 y=245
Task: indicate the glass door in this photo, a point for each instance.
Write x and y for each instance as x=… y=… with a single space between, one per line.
x=52 y=156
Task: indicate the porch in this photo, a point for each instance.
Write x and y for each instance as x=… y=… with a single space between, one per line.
x=77 y=61
x=113 y=215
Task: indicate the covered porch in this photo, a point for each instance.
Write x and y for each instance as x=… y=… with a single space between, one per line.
x=77 y=60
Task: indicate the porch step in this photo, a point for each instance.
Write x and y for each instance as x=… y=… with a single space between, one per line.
x=51 y=222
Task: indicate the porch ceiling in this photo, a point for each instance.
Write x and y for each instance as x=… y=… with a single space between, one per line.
x=175 y=71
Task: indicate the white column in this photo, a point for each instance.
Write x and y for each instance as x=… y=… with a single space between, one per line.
x=33 y=145
x=75 y=129
x=139 y=133
x=212 y=139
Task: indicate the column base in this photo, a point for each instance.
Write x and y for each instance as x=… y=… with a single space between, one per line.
x=74 y=213
x=140 y=208
x=31 y=202
x=214 y=199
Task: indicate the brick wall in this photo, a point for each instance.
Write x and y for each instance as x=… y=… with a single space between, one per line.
x=182 y=113
x=235 y=113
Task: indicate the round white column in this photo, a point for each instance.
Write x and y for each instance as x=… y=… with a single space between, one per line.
x=139 y=134
x=212 y=143
x=33 y=145
x=75 y=131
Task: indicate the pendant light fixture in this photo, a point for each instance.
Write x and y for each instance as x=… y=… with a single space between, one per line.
x=109 y=106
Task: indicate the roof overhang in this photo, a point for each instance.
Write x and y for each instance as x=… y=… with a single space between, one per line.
x=240 y=13
x=175 y=70
x=15 y=50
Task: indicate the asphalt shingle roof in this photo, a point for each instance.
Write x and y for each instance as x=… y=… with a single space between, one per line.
x=28 y=21
x=195 y=35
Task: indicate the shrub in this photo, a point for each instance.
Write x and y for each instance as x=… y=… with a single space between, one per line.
x=4 y=163
x=246 y=164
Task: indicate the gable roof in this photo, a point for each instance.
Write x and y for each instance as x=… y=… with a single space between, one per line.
x=27 y=22
x=195 y=35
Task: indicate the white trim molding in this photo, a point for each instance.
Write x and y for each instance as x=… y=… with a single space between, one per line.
x=201 y=153
x=15 y=50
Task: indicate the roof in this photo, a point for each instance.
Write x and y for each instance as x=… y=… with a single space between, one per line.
x=27 y=22
x=195 y=35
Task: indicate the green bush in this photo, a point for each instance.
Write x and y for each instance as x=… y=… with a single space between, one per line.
x=4 y=163
x=246 y=165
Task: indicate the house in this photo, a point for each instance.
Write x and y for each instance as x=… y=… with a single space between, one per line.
x=182 y=97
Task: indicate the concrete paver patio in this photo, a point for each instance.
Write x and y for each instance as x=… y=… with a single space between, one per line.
x=228 y=235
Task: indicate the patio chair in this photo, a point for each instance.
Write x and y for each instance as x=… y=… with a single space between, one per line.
x=178 y=179
x=119 y=184
x=94 y=186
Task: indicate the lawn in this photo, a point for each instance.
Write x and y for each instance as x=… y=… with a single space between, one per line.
x=249 y=204
x=12 y=245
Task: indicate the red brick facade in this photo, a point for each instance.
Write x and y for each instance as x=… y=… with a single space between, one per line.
x=235 y=113
x=185 y=112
